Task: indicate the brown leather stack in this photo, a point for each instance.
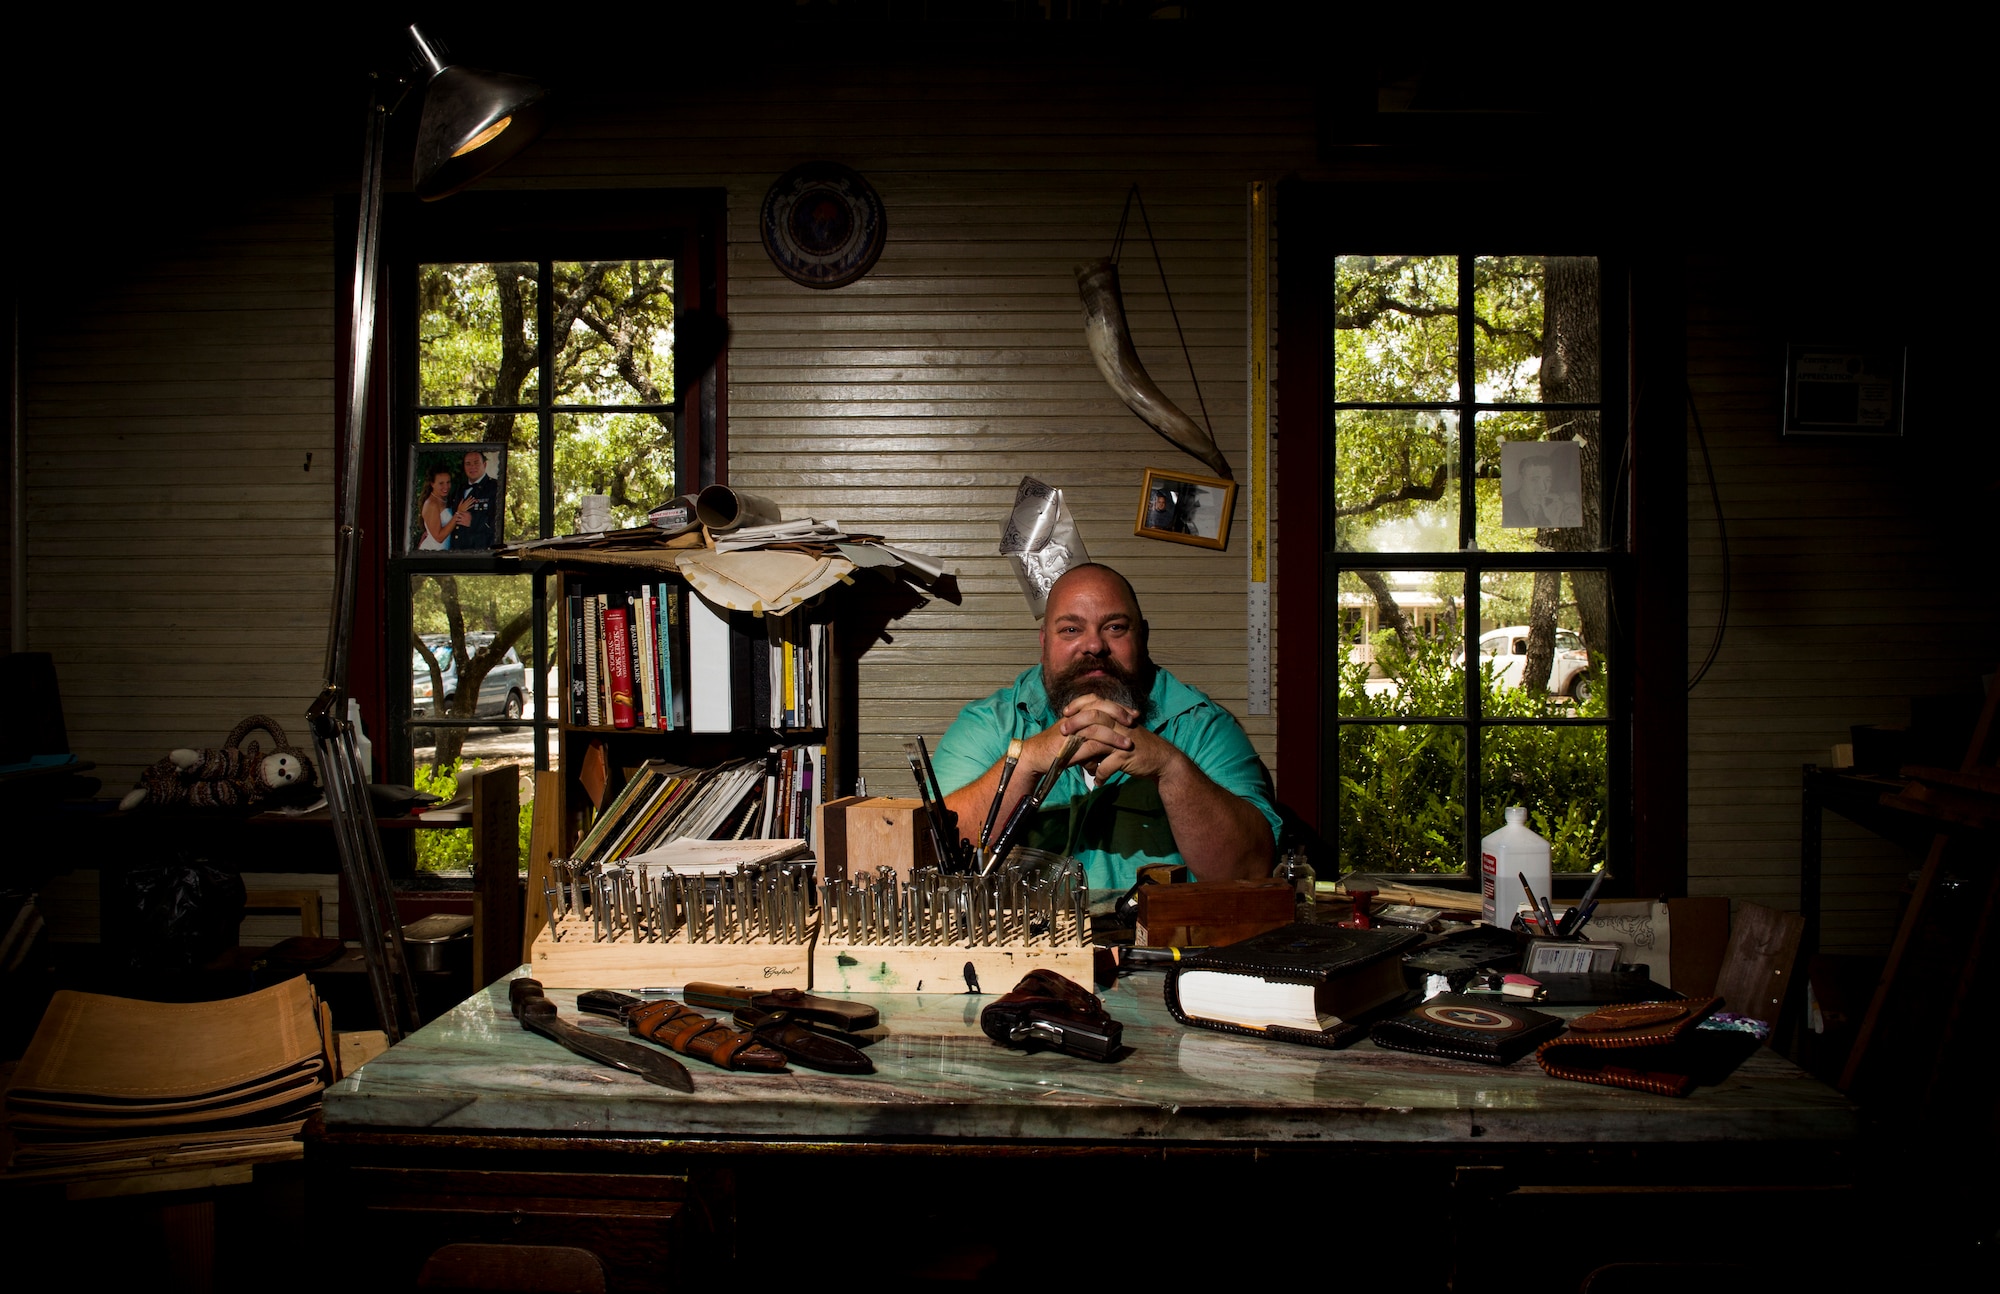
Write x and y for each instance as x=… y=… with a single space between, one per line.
x=111 y=1078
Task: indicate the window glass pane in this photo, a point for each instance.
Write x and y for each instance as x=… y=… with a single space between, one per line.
x=512 y=469
x=1402 y=798
x=476 y=338
x=1535 y=329
x=1539 y=481
x=1395 y=482
x=629 y=456
x=614 y=321
x=1529 y=674
x=1409 y=668
x=1560 y=775
x=467 y=624
x=1395 y=328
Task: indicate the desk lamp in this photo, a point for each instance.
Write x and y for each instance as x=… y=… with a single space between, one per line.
x=472 y=122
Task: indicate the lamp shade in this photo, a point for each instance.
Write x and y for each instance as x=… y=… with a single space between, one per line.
x=473 y=121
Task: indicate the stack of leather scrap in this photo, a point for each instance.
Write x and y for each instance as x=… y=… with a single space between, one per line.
x=110 y=1078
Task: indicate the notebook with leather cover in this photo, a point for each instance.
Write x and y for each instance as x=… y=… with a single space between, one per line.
x=1647 y=1046
x=1353 y=974
x=1478 y=1029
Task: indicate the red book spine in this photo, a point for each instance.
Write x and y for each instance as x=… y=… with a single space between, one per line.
x=618 y=646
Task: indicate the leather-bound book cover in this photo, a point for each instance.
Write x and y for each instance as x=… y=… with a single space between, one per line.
x=1481 y=1030
x=1312 y=984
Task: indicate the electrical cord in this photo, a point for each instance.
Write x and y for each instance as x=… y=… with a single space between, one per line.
x=1722 y=533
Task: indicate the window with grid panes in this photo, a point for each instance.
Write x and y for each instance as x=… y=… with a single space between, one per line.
x=553 y=380
x=1477 y=660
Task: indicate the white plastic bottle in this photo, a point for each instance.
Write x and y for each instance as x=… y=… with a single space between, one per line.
x=1504 y=856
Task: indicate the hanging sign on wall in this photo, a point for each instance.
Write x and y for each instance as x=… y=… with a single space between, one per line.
x=823 y=225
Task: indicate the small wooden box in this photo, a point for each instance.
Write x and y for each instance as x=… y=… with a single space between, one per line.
x=857 y=834
x=1203 y=914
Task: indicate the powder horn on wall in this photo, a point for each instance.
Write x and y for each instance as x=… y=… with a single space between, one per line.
x=1110 y=340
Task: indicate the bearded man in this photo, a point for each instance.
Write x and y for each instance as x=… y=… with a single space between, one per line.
x=1164 y=774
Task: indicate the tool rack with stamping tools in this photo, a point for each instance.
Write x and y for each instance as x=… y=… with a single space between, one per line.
x=953 y=932
x=640 y=927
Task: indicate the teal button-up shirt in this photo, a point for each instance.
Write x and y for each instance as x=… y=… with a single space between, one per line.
x=1122 y=824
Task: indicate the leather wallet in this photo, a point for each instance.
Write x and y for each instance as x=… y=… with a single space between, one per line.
x=1480 y=1030
x=1648 y=1046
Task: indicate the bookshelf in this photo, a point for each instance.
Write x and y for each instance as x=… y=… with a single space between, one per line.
x=851 y=617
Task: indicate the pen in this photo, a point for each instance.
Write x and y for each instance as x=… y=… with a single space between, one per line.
x=1576 y=916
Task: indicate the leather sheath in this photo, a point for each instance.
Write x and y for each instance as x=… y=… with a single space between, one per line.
x=802 y=1044
x=693 y=1034
x=838 y=1012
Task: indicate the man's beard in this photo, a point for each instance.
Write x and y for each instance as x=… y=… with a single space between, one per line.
x=1131 y=689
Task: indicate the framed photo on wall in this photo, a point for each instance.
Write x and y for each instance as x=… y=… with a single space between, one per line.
x=1182 y=508
x=457 y=493
x=1844 y=390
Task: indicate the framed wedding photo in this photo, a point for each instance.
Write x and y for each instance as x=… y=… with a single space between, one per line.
x=1182 y=508
x=457 y=494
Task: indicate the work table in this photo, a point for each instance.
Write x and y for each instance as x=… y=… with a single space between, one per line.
x=475 y=1070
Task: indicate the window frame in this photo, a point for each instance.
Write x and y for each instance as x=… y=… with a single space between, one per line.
x=540 y=228
x=1643 y=348
x=1473 y=563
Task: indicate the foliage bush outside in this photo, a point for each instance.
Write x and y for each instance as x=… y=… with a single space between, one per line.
x=1402 y=785
x=451 y=851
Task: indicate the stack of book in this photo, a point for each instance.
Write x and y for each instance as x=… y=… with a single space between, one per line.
x=771 y=798
x=650 y=655
x=111 y=1079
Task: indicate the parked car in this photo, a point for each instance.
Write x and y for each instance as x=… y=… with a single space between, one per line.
x=503 y=692
x=1507 y=651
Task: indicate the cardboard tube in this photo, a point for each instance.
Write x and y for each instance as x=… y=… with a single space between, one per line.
x=722 y=509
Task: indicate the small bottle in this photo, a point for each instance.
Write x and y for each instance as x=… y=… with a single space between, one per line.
x=1298 y=873
x=1505 y=856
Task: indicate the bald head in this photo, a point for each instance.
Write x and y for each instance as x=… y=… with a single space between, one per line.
x=1096 y=575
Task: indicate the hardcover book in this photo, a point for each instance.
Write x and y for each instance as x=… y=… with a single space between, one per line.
x=1306 y=983
x=1483 y=1030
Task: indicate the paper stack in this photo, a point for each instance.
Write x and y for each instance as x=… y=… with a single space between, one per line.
x=110 y=1078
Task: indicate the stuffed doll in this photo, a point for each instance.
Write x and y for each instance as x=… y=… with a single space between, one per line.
x=226 y=777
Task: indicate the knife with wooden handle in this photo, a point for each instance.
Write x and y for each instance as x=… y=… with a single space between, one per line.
x=848 y=1017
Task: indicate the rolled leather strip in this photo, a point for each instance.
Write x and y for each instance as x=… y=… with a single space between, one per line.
x=693 y=1034
x=722 y=509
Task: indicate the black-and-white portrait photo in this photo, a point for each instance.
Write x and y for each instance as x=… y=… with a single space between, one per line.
x=1541 y=484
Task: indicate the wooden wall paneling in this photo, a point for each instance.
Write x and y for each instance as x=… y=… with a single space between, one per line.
x=179 y=551
x=1848 y=599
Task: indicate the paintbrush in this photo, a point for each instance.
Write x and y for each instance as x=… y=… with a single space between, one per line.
x=933 y=813
x=999 y=794
x=1031 y=802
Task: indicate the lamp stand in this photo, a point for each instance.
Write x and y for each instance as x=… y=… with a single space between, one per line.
x=347 y=800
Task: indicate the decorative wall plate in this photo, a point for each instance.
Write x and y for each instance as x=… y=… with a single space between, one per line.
x=823 y=225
